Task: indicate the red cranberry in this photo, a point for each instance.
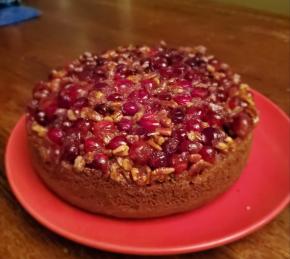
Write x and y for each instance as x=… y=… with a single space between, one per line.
x=242 y=124
x=234 y=102
x=100 y=85
x=158 y=159
x=70 y=152
x=164 y=96
x=170 y=145
x=210 y=134
x=103 y=109
x=182 y=99
x=195 y=112
x=149 y=84
x=170 y=72
x=199 y=92
x=42 y=118
x=140 y=152
x=101 y=162
x=123 y=85
x=115 y=97
x=80 y=103
x=125 y=125
x=116 y=142
x=83 y=126
x=104 y=129
x=55 y=135
x=193 y=124
x=139 y=95
x=68 y=96
x=92 y=144
x=208 y=154
x=177 y=115
x=192 y=147
x=130 y=108
x=214 y=119
x=184 y=83
x=179 y=162
x=149 y=122
x=159 y=62
x=180 y=134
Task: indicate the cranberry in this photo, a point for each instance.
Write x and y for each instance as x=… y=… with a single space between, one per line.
x=180 y=134
x=234 y=102
x=55 y=135
x=242 y=124
x=184 y=83
x=104 y=129
x=214 y=119
x=42 y=118
x=70 y=152
x=193 y=124
x=80 y=103
x=208 y=153
x=159 y=62
x=140 y=152
x=125 y=125
x=192 y=147
x=103 y=109
x=210 y=134
x=195 y=112
x=177 y=115
x=149 y=122
x=182 y=99
x=92 y=144
x=100 y=85
x=170 y=145
x=170 y=72
x=179 y=162
x=164 y=96
x=158 y=159
x=123 y=85
x=139 y=95
x=68 y=96
x=115 y=97
x=116 y=142
x=101 y=162
x=199 y=92
x=195 y=61
x=149 y=84
x=130 y=108
x=83 y=126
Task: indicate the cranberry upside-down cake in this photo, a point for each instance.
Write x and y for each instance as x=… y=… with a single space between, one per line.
x=141 y=131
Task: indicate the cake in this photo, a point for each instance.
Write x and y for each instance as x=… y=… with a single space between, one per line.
x=141 y=131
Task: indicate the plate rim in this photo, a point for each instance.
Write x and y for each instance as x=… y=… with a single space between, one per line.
x=141 y=250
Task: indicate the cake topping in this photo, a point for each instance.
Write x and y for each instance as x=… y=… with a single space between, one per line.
x=141 y=113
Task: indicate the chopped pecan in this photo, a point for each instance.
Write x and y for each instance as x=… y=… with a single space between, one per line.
x=122 y=150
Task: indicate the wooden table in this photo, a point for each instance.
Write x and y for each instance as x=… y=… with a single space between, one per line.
x=255 y=44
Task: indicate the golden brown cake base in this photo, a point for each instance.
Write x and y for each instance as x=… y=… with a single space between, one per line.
x=97 y=194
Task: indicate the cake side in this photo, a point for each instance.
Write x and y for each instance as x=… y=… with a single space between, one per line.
x=91 y=191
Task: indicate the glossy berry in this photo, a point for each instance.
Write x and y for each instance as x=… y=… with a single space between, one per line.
x=192 y=147
x=125 y=125
x=116 y=142
x=158 y=159
x=101 y=162
x=92 y=144
x=170 y=146
x=242 y=124
x=130 y=108
x=149 y=122
x=55 y=135
x=208 y=153
x=140 y=152
x=179 y=162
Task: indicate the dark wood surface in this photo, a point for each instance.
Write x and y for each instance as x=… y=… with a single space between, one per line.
x=254 y=43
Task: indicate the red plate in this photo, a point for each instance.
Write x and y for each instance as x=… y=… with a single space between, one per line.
x=260 y=194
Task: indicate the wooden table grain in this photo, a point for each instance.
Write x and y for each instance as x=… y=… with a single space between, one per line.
x=255 y=44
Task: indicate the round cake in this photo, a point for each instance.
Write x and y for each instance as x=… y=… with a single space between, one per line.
x=141 y=131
